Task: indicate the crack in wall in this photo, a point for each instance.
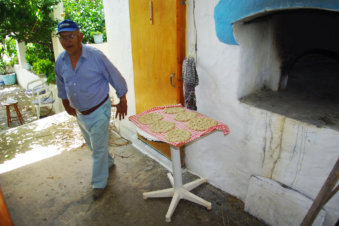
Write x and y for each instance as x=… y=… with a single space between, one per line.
x=274 y=129
x=302 y=150
x=265 y=141
x=278 y=147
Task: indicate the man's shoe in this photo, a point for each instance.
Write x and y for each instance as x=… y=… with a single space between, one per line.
x=97 y=192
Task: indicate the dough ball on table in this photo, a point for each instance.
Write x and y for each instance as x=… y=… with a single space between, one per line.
x=185 y=116
x=201 y=123
x=178 y=135
x=149 y=118
x=173 y=110
x=162 y=126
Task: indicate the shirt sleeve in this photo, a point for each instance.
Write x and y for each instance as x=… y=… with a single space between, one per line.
x=59 y=80
x=114 y=77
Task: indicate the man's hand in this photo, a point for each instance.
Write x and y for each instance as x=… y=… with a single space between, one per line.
x=121 y=108
x=71 y=111
x=68 y=108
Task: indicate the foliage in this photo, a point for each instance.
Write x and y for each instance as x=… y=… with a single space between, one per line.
x=41 y=58
x=7 y=50
x=51 y=78
x=2 y=67
x=29 y=21
x=10 y=51
x=2 y=53
x=45 y=67
x=36 y=51
x=30 y=57
x=88 y=14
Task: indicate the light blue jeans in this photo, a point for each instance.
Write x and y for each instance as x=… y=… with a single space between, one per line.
x=94 y=128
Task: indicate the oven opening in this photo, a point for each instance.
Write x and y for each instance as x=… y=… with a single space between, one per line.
x=294 y=57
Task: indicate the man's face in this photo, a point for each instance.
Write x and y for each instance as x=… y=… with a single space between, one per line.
x=71 y=41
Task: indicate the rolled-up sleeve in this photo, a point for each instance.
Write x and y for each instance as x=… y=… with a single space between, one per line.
x=114 y=77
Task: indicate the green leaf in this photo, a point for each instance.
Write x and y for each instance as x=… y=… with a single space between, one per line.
x=88 y=14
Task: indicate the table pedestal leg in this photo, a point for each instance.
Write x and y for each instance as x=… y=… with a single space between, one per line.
x=179 y=191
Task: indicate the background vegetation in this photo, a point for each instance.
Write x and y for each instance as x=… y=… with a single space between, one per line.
x=32 y=22
x=36 y=51
x=7 y=51
x=88 y=14
x=29 y=21
x=42 y=60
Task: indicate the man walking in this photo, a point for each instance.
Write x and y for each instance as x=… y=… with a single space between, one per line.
x=83 y=75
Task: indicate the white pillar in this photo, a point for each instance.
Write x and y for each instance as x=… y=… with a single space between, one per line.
x=57 y=47
x=21 y=51
x=59 y=15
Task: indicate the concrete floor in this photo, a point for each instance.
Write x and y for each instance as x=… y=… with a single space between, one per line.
x=52 y=186
x=56 y=191
x=24 y=104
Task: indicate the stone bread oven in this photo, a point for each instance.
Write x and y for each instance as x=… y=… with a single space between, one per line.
x=289 y=76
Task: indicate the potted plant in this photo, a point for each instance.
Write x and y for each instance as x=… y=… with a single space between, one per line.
x=7 y=73
x=97 y=36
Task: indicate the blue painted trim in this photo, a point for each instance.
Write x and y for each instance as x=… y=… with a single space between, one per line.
x=227 y=12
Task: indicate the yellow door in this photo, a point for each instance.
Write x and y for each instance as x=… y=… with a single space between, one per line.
x=158 y=50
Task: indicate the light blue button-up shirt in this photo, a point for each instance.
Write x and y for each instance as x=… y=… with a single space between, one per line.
x=87 y=85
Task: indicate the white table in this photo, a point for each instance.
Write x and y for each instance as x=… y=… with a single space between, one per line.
x=178 y=190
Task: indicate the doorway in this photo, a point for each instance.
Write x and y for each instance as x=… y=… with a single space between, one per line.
x=158 y=50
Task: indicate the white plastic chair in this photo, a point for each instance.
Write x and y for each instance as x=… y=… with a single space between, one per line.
x=41 y=95
x=33 y=87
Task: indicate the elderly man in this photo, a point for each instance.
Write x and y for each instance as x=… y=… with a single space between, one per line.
x=83 y=75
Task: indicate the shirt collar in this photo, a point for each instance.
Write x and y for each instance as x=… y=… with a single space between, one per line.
x=83 y=51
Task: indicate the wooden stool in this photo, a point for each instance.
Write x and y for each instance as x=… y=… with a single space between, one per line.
x=9 y=118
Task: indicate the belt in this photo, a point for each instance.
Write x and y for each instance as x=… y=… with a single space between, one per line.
x=89 y=111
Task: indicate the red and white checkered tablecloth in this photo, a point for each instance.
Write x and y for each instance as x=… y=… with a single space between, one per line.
x=180 y=125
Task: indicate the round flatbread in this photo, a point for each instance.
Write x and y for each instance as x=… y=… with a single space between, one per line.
x=185 y=116
x=149 y=118
x=173 y=110
x=201 y=123
x=178 y=135
x=162 y=126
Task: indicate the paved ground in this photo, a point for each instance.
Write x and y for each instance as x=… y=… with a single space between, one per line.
x=45 y=170
x=24 y=103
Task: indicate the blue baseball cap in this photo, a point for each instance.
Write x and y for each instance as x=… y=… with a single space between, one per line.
x=67 y=25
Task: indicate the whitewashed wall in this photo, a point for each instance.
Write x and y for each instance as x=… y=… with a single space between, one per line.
x=260 y=143
x=120 y=53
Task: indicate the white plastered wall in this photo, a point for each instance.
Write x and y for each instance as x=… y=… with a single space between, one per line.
x=259 y=53
x=120 y=53
x=260 y=143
